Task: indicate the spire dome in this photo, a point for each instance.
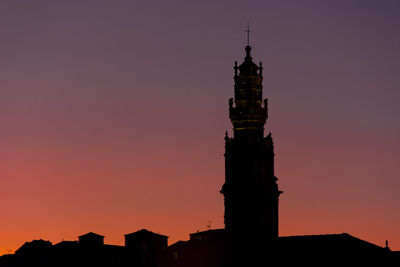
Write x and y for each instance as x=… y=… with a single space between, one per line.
x=248 y=49
x=248 y=67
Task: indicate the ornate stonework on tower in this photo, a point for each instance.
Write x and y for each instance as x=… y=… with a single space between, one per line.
x=251 y=191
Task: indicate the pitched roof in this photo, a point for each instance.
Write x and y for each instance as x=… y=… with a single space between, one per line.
x=90 y=234
x=34 y=245
x=144 y=232
x=327 y=240
x=209 y=234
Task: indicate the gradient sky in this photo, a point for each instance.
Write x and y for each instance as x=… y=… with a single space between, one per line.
x=113 y=115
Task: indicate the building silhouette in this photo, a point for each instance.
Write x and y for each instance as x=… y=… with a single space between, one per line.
x=250 y=191
x=251 y=196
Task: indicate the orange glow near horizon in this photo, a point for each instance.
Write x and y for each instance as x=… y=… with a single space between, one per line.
x=113 y=116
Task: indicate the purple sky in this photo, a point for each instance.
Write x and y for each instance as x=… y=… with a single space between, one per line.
x=113 y=115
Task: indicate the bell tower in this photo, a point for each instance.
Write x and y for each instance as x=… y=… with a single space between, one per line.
x=250 y=191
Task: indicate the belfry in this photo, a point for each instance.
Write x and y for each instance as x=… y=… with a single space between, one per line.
x=250 y=191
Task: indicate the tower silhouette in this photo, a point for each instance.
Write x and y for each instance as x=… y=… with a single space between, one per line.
x=250 y=191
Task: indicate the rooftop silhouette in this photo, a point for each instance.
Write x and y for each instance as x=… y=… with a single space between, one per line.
x=251 y=197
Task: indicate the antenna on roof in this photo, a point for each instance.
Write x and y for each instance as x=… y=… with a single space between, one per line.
x=209 y=225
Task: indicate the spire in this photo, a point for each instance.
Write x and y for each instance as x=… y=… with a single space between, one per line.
x=248 y=47
x=248 y=33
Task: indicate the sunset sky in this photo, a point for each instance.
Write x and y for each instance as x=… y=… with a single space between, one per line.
x=113 y=115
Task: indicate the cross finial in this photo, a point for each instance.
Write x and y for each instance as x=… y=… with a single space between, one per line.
x=248 y=33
